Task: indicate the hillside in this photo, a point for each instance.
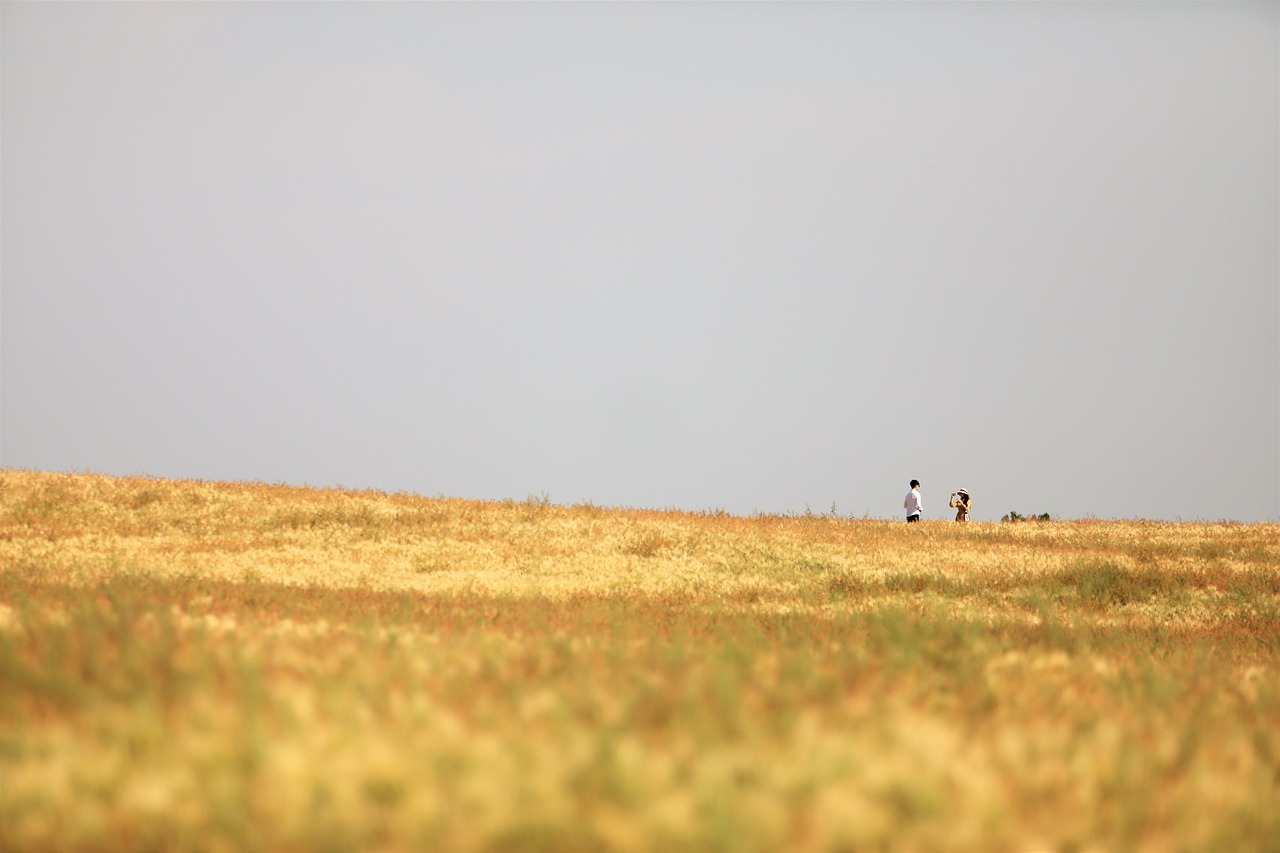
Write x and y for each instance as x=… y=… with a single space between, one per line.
x=245 y=666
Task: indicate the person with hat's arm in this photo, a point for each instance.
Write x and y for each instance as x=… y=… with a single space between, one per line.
x=960 y=503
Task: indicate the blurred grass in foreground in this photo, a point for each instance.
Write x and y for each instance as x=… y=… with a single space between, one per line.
x=244 y=667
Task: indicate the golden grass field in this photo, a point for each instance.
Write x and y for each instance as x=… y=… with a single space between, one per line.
x=208 y=666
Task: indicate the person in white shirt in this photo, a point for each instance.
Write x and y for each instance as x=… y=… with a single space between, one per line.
x=913 y=505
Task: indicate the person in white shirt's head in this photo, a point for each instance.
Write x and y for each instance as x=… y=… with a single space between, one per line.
x=913 y=504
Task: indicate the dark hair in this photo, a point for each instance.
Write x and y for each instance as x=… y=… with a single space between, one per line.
x=915 y=483
x=964 y=499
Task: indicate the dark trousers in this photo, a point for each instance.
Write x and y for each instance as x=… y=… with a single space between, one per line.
x=911 y=518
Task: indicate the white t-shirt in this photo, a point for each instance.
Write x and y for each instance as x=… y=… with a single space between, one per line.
x=912 y=504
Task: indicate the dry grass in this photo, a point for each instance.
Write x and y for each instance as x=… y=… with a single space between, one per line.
x=190 y=665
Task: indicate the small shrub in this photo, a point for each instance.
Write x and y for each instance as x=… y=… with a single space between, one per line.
x=1016 y=516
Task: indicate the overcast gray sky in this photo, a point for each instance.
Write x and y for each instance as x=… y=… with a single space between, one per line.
x=755 y=257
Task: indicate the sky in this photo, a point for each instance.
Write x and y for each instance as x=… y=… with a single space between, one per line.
x=751 y=257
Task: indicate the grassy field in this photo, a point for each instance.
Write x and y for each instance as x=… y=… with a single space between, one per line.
x=203 y=666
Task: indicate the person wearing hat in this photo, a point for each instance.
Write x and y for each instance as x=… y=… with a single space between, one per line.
x=960 y=503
